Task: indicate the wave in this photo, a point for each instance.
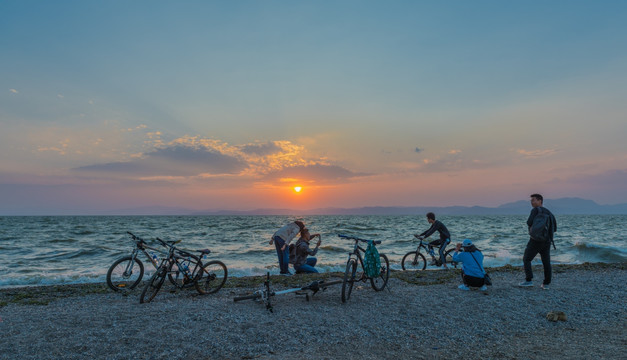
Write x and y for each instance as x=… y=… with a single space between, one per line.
x=38 y=280
x=335 y=249
x=62 y=241
x=599 y=253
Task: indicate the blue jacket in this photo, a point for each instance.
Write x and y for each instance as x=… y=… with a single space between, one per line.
x=469 y=265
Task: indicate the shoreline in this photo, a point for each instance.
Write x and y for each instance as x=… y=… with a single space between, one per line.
x=427 y=277
x=420 y=315
x=241 y=281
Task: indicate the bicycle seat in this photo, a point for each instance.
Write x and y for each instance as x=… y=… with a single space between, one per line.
x=204 y=251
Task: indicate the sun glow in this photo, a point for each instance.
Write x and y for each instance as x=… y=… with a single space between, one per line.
x=297 y=188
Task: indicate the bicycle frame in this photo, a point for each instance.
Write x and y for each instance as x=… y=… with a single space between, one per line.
x=425 y=246
x=357 y=250
x=183 y=259
x=141 y=246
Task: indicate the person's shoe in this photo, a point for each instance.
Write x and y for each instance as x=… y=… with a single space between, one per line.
x=433 y=262
x=544 y=286
x=286 y=273
x=483 y=288
x=463 y=287
x=526 y=284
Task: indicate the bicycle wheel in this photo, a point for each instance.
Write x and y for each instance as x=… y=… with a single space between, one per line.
x=349 y=279
x=414 y=260
x=448 y=255
x=153 y=286
x=378 y=283
x=212 y=277
x=125 y=273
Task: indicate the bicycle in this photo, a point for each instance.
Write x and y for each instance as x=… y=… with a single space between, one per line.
x=120 y=275
x=415 y=260
x=350 y=275
x=207 y=278
x=265 y=293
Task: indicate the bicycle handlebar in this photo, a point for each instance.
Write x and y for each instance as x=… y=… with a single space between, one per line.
x=136 y=238
x=377 y=242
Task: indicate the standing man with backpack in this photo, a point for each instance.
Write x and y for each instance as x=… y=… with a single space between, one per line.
x=542 y=225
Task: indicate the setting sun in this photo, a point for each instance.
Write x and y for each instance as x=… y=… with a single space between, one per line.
x=297 y=188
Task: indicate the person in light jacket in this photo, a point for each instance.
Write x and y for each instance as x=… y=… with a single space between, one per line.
x=281 y=240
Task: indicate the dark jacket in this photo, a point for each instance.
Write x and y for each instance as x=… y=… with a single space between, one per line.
x=301 y=252
x=439 y=227
x=552 y=227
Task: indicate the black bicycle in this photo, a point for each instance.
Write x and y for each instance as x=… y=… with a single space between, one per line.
x=185 y=269
x=351 y=275
x=415 y=260
x=126 y=272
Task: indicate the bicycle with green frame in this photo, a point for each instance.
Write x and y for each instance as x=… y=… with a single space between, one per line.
x=355 y=260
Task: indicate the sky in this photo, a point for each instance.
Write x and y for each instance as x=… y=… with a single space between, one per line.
x=216 y=105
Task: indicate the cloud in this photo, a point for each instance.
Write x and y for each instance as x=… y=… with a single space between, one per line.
x=261 y=149
x=314 y=173
x=14 y=91
x=536 y=153
x=201 y=159
x=174 y=160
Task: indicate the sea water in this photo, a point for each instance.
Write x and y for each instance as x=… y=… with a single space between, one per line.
x=43 y=250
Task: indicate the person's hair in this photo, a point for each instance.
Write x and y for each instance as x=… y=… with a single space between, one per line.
x=471 y=248
x=300 y=224
x=537 y=197
x=431 y=216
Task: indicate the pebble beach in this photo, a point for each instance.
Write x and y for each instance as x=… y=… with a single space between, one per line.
x=421 y=315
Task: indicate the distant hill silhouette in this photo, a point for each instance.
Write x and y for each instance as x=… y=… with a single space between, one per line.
x=563 y=206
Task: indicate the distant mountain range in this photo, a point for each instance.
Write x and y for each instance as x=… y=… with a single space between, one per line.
x=561 y=206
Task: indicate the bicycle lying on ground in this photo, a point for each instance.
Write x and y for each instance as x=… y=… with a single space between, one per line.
x=126 y=272
x=185 y=269
x=354 y=259
x=415 y=260
x=265 y=293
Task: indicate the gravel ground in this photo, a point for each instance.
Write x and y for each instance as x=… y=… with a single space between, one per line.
x=422 y=315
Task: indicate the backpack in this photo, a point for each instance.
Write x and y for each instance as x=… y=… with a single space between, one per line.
x=372 y=262
x=540 y=229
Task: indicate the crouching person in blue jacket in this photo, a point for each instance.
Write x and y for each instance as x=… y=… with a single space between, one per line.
x=473 y=274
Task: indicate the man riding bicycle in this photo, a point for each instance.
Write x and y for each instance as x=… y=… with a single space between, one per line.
x=445 y=238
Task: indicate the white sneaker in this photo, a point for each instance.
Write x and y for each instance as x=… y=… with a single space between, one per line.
x=483 y=288
x=463 y=287
x=544 y=287
x=526 y=283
